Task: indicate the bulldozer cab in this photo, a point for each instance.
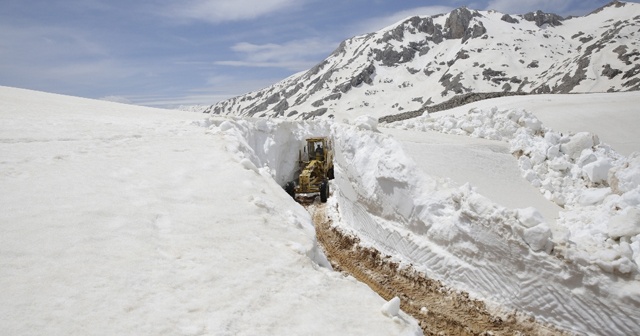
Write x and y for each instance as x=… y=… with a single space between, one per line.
x=317 y=149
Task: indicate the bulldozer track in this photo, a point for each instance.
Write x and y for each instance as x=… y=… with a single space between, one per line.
x=439 y=310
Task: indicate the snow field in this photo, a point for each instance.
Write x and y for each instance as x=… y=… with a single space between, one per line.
x=123 y=220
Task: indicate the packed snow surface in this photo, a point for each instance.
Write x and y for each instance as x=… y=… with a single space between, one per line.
x=127 y=220
x=123 y=220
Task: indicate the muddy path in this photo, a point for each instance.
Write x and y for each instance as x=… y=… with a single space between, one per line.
x=439 y=311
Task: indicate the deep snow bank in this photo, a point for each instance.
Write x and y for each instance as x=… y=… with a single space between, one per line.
x=124 y=220
x=271 y=148
x=598 y=188
x=509 y=257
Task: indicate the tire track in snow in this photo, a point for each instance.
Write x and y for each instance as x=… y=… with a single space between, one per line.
x=439 y=310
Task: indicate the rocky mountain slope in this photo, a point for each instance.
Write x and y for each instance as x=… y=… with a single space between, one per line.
x=424 y=61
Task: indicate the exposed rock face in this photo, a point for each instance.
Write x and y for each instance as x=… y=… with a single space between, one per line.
x=541 y=18
x=282 y=106
x=452 y=83
x=390 y=57
x=509 y=18
x=458 y=23
x=365 y=76
x=614 y=3
x=452 y=103
x=609 y=72
x=407 y=68
x=476 y=31
x=316 y=113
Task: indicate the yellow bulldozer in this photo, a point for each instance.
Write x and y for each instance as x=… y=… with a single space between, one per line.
x=315 y=167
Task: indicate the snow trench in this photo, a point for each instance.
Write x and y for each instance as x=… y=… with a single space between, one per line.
x=505 y=257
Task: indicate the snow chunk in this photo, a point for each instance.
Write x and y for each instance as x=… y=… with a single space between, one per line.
x=593 y=196
x=539 y=238
x=598 y=171
x=625 y=224
x=531 y=122
x=391 y=308
x=577 y=144
x=627 y=176
x=530 y=217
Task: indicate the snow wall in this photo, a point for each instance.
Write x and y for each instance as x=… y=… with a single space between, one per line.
x=502 y=256
x=271 y=150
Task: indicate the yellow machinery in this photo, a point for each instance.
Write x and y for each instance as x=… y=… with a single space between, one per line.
x=316 y=169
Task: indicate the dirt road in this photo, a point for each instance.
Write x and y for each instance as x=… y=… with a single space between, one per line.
x=440 y=311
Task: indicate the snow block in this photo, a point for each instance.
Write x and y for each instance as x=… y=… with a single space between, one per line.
x=625 y=224
x=531 y=123
x=577 y=144
x=559 y=164
x=586 y=158
x=538 y=238
x=593 y=196
x=391 y=308
x=530 y=217
x=598 y=171
x=626 y=177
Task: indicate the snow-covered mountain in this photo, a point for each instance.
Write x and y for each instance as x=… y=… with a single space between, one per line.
x=427 y=60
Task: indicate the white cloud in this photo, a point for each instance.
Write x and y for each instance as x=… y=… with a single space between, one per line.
x=377 y=23
x=217 y=11
x=218 y=88
x=293 y=55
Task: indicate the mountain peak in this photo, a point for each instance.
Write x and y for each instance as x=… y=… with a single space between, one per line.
x=426 y=61
x=457 y=24
x=612 y=4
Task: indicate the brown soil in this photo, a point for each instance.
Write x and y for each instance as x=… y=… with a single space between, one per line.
x=439 y=310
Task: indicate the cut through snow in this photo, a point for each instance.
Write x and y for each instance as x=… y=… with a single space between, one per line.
x=450 y=312
x=510 y=258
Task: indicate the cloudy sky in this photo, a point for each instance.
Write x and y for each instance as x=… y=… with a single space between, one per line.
x=168 y=53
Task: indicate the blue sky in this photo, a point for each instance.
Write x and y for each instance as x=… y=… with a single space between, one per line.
x=167 y=53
